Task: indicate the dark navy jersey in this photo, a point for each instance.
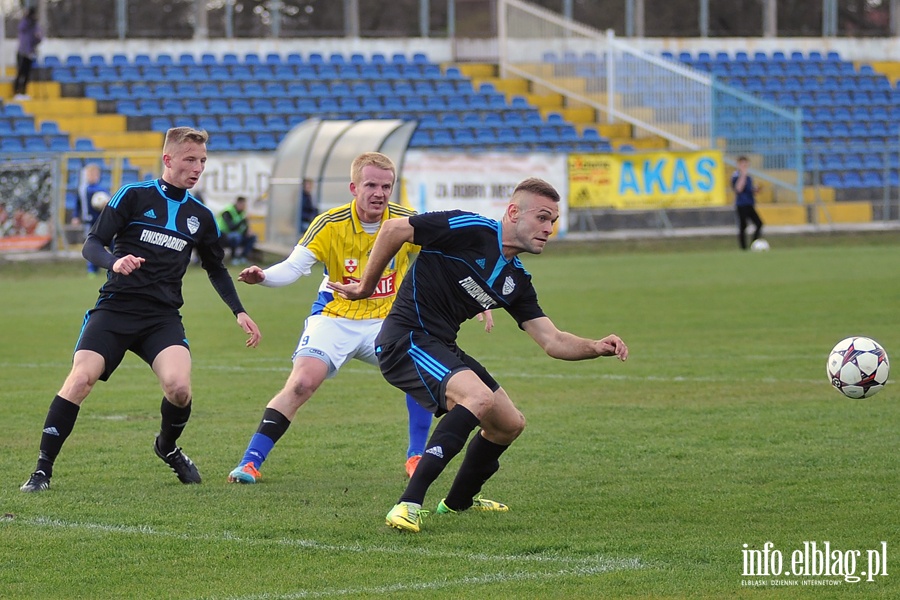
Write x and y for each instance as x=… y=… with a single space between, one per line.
x=460 y=272
x=162 y=224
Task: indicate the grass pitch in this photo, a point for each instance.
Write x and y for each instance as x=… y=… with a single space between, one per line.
x=637 y=480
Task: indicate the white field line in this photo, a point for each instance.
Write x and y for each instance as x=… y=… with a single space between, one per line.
x=497 y=373
x=436 y=585
x=570 y=566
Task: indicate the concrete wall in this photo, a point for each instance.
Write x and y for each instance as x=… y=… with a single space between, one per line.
x=459 y=50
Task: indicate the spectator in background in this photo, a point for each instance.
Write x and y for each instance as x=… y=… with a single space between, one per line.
x=30 y=35
x=308 y=210
x=745 y=201
x=86 y=211
x=235 y=230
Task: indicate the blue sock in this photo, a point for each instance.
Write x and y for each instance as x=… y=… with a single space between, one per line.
x=419 y=426
x=257 y=450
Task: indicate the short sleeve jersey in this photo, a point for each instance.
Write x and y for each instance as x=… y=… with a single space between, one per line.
x=146 y=222
x=337 y=239
x=460 y=272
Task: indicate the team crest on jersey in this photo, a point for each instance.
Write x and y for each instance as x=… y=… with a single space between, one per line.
x=350 y=265
x=193 y=224
x=508 y=285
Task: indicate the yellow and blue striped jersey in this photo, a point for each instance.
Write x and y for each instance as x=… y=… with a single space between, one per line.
x=337 y=239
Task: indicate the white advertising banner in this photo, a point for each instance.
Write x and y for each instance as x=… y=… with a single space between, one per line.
x=229 y=175
x=481 y=183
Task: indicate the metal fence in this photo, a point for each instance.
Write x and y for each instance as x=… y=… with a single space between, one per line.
x=39 y=191
x=658 y=97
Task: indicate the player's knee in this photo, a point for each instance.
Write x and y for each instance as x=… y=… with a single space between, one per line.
x=511 y=427
x=178 y=393
x=78 y=385
x=518 y=424
x=300 y=386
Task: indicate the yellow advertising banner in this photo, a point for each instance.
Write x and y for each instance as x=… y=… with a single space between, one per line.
x=644 y=180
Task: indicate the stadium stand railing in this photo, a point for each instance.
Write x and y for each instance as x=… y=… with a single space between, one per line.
x=657 y=96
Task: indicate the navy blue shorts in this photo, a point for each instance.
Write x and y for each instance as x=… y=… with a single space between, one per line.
x=421 y=365
x=112 y=333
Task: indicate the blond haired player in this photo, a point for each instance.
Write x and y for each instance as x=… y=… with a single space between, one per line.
x=338 y=329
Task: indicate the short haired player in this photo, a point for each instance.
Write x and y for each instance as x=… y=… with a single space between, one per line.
x=156 y=224
x=467 y=263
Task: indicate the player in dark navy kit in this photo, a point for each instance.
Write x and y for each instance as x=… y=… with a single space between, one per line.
x=156 y=224
x=468 y=263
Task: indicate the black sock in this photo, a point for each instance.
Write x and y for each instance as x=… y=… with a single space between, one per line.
x=447 y=441
x=480 y=463
x=58 y=425
x=273 y=424
x=174 y=418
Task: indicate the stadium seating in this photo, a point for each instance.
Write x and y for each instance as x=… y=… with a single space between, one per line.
x=251 y=89
x=850 y=114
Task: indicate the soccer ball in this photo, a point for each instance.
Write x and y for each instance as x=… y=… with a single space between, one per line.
x=759 y=245
x=99 y=200
x=858 y=367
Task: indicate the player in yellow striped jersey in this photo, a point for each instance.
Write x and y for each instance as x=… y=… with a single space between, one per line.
x=337 y=330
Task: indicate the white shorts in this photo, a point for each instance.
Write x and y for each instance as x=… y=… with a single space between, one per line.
x=335 y=341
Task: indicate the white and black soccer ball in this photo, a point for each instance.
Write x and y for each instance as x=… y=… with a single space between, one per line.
x=759 y=245
x=99 y=200
x=858 y=367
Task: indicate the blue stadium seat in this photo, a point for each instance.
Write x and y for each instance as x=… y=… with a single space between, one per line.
x=265 y=141
x=262 y=73
x=35 y=144
x=242 y=141
x=11 y=144
x=275 y=123
x=49 y=128
x=218 y=73
x=240 y=106
x=218 y=106
x=241 y=72
x=84 y=144
x=129 y=108
x=420 y=139
x=284 y=105
x=59 y=143
x=262 y=105
x=97 y=91
x=160 y=123
x=207 y=89
x=230 y=123
x=441 y=138
x=253 y=123
x=852 y=179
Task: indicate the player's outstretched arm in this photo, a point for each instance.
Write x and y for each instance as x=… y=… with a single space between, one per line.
x=567 y=346
x=295 y=266
x=247 y=324
x=393 y=234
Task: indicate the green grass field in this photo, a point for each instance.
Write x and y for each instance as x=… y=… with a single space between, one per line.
x=636 y=480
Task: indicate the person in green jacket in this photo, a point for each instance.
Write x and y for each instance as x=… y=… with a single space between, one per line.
x=235 y=230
